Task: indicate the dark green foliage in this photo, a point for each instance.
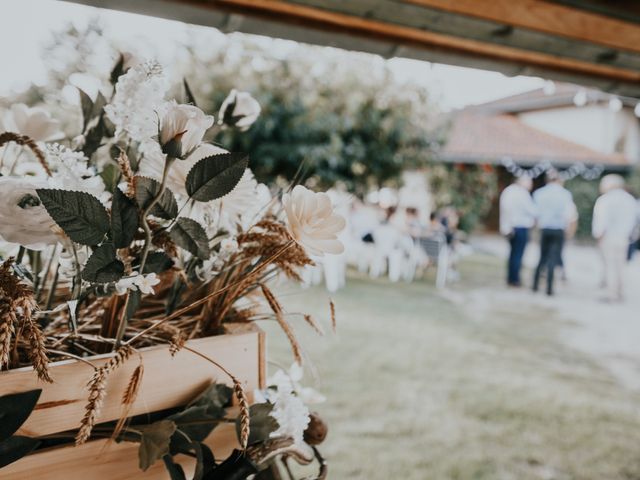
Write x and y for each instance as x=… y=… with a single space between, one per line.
x=15 y=408
x=215 y=176
x=103 y=266
x=147 y=189
x=79 y=214
x=191 y=236
x=470 y=189
x=124 y=219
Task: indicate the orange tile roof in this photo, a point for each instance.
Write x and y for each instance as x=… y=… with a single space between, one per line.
x=483 y=137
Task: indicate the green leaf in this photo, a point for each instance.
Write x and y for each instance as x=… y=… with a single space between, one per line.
x=15 y=408
x=110 y=175
x=124 y=219
x=80 y=215
x=157 y=262
x=118 y=69
x=188 y=93
x=175 y=470
x=198 y=422
x=93 y=138
x=261 y=423
x=217 y=395
x=154 y=443
x=190 y=235
x=147 y=189
x=103 y=266
x=215 y=176
x=86 y=104
x=15 y=448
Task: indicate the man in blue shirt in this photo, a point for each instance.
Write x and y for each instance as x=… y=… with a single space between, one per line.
x=554 y=205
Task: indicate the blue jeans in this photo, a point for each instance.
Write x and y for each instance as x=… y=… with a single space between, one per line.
x=518 y=241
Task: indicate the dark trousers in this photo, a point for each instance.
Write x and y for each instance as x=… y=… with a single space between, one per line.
x=551 y=241
x=518 y=241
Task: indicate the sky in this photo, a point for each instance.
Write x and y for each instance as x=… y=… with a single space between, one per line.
x=22 y=34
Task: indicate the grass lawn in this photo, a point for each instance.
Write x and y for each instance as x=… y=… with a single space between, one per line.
x=422 y=387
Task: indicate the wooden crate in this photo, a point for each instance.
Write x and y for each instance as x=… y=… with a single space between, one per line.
x=168 y=382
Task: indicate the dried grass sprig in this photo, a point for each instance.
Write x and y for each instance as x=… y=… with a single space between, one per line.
x=97 y=391
x=25 y=141
x=7 y=329
x=286 y=327
x=332 y=308
x=127 y=173
x=37 y=349
x=245 y=417
x=128 y=397
x=312 y=323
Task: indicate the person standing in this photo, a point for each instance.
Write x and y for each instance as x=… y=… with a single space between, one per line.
x=554 y=205
x=517 y=216
x=613 y=224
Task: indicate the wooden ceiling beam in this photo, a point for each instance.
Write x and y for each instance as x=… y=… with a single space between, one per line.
x=284 y=11
x=547 y=17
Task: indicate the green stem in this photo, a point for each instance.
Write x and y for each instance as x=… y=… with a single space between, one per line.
x=145 y=250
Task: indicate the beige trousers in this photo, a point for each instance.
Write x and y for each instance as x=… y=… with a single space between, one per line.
x=614 y=256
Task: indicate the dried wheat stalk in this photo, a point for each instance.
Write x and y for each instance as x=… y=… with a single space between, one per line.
x=25 y=141
x=312 y=323
x=37 y=349
x=127 y=173
x=245 y=419
x=97 y=390
x=7 y=329
x=128 y=397
x=332 y=307
x=288 y=330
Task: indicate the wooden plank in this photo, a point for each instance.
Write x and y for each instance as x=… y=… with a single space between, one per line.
x=97 y=460
x=549 y=18
x=167 y=382
x=453 y=24
x=319 y=18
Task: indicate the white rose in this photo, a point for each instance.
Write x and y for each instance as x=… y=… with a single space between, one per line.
x=239 y=110
x=23 y=218
x=182 y=128
x=36 y=123
x=312 y=221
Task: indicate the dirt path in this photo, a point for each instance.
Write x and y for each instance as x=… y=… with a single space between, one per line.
x=610 y=333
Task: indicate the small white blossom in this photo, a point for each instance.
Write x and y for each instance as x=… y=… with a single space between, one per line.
x=239 y=110
x=72 y=172
x=127 y=283
x=146 y=282
x=67 y=262
x=312 y=221
x=209 y=269
x=228 y=246
x=138 y=101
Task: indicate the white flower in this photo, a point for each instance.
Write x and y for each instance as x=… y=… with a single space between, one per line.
x=291 y=414
x=239 y=110
x=67 y=261
x=35 y=123
x=146 y=282
x=152 y=166
x=71 y=172
x=23 y=218
x=228 y=246
x=312 y=221
x=138 y=101
x=127 y=283
x=182 y=128
x=208 y=270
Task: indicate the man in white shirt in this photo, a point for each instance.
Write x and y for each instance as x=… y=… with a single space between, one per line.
x=614 y=220
x=555 y=208
x=517 y=216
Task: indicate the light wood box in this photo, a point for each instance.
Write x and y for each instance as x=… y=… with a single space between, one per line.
x=167 y=382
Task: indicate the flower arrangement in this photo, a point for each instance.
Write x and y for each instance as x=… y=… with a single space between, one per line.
x=141 y=231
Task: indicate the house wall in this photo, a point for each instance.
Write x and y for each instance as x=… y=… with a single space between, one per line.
x=594 y=126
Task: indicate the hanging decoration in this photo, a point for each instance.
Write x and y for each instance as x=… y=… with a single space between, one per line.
x=588 y=173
